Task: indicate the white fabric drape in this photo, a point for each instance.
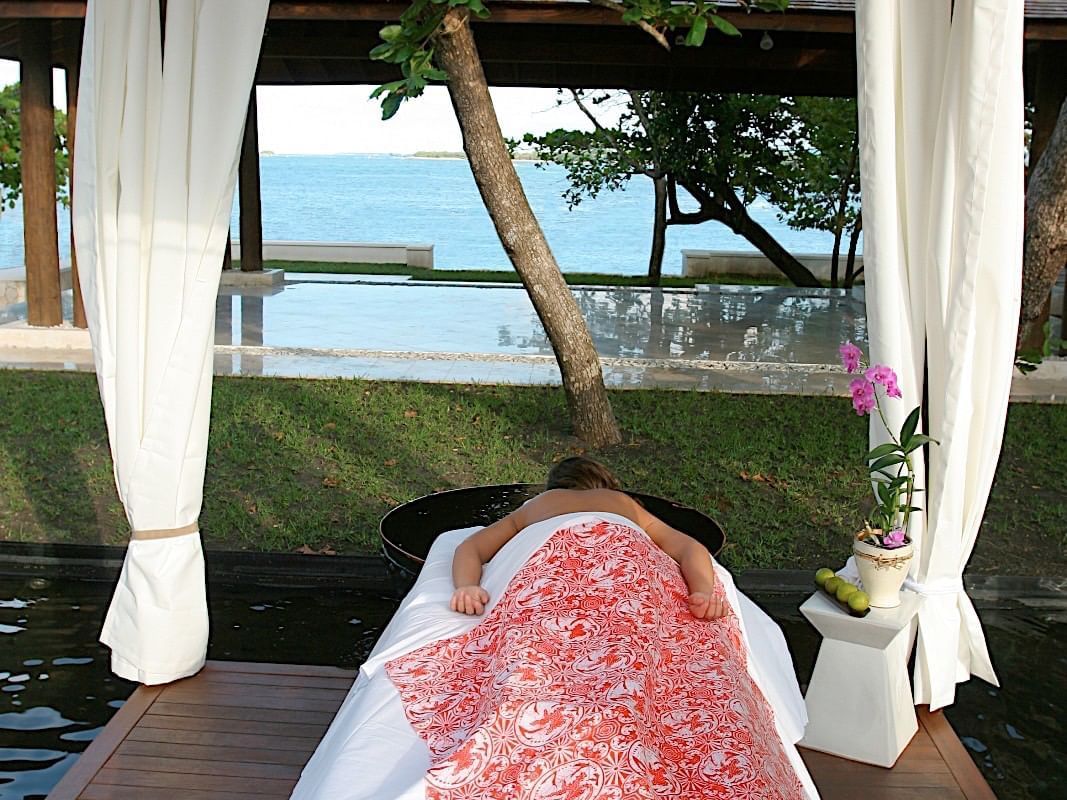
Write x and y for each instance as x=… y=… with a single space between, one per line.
x=941 y=138
x=158 y=141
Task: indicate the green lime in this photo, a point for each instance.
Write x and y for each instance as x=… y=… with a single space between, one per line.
x=858 y=602
x=846 y=590
x=831 y=584
x=823 y=575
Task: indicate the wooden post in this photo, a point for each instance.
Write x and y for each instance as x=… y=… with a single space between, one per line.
x=41 y=238
x=251 y=208
x=72 y=117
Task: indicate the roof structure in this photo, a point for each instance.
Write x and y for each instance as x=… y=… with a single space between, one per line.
x=809 y=49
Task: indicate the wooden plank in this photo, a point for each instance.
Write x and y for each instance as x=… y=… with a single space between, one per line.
x=38 y=161
x=959 y=761
x=256 y=667
x=889 y=793
x=103 y=746
x=184 y=766
x=342 y=683
x=100 y=791
x=264 y=787
x=259 y=740
x=237 y=712
x=257 y=726
x=263 y=698
x=192 y=752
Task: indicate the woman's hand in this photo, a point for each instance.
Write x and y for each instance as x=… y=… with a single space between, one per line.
x=469 y=600
x=707 y=605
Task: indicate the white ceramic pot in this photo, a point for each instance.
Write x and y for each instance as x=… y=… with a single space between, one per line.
x=882 y=571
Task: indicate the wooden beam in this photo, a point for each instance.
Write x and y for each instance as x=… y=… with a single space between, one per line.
x=72 y=118
x=42 y=9
x=251 y=204
x=40 y=236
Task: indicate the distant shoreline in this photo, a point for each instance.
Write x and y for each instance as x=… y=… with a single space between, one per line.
x=460 y=156
x=439 y=155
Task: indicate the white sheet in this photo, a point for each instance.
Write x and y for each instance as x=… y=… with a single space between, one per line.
x=371 y=752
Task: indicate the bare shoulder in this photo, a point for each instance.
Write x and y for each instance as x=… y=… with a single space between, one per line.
x=566 y=501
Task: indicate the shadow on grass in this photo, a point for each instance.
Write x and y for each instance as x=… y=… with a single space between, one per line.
x=58 y=471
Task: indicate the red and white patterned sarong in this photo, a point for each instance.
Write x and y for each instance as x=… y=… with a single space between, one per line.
x=590 y=680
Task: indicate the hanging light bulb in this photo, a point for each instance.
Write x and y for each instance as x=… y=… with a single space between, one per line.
x=766 y=43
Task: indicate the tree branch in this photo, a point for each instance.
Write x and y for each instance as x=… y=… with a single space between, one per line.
x=646 y=123
x=651 y=31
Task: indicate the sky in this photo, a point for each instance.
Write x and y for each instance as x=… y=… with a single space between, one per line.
x=342 y=119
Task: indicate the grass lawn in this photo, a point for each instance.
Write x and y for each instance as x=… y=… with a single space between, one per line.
x=318 y=462
x=510 y=276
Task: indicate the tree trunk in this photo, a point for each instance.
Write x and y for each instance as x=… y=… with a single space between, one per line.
x=742 y=224
x=853 y=243
x=521 y=235
x=735 y=217
x=1045 y=237
x=659 y=232
x=835 y=259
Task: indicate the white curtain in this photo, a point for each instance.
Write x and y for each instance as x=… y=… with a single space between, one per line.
x=158 y=140
x=941 y=157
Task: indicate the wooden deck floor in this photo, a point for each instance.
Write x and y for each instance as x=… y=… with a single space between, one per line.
x=240 y=731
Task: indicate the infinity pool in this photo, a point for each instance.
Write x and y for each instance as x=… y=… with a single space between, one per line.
x=56 y=692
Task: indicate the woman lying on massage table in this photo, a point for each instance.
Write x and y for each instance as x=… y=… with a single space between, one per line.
x=582 y=484
x=601 y=655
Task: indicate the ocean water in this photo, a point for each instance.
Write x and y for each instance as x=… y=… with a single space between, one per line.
x=377 y=198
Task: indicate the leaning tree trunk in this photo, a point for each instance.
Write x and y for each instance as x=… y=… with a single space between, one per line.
x=742 y=224
x=521 y=235
x=736 y=218
x=659 y=232
x=1045 y=237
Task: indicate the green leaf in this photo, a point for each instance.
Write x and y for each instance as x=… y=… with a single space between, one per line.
x=882 y=450
x=391 y=105
x=383 y=52
x=917 y=441
x=386 y=88
x=390 y=33
x=697 y=32
x=887 y=461
x=907 y=430
x=724 y=25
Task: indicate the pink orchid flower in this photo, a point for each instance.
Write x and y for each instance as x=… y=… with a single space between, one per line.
x=850 y=356
x=863 y=399
x=893 y=539
x=882 y=374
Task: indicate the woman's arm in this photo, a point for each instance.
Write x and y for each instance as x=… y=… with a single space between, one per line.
x=472 y=553
x=693 y=559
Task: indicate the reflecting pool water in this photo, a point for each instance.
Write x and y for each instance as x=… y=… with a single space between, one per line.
x=56 y=692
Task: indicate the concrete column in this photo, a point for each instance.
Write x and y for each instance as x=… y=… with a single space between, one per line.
x=41 y=238
x=251 y=208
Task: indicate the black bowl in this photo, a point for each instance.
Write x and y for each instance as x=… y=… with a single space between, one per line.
x=409 y=530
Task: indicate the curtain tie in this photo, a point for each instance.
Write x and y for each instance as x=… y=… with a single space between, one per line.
x=165 y=533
